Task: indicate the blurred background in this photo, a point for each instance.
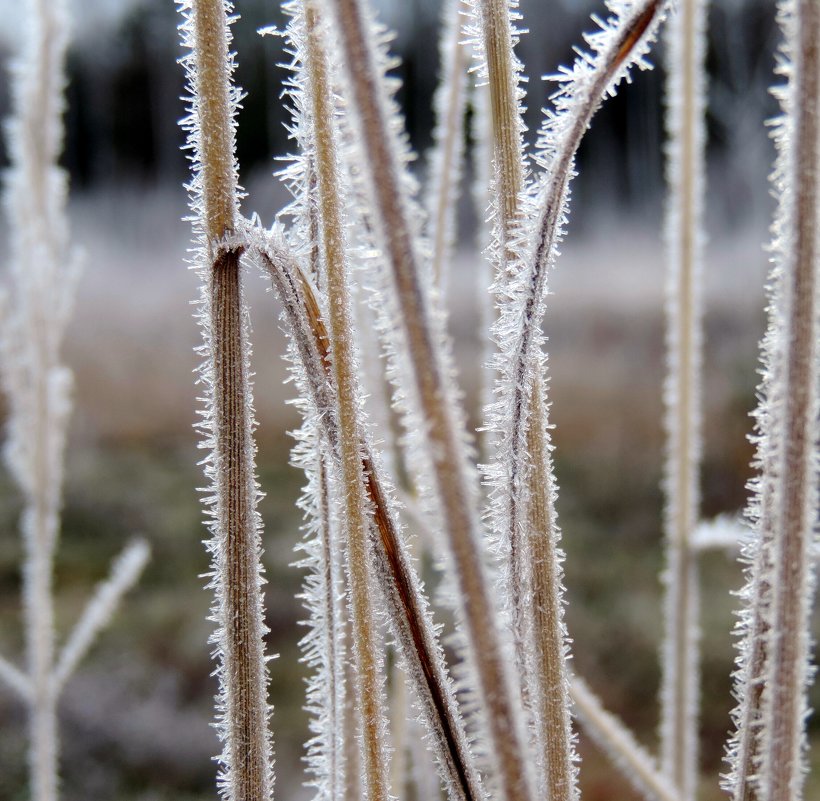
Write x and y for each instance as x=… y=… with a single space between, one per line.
x=135 y=720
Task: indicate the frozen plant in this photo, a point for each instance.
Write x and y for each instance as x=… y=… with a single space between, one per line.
x=43 y=271
x=497 y=715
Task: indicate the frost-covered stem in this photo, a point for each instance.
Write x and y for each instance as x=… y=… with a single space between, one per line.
x=247 y=773
x=35 y=381
x=636 y=765
x=365 y=638
x=443 y=437
x=243 y=669
x=767 y=751
x=685 y=170
x=505 y=108
x=550 y=214
x=406 y=605
x=786 y=705
x=335 y=769
x=549 y=684
x=212 y=81
x=533 y=570
x=445 y=165
x=125 y=571
x=750 y=677
x=350 y=725
x=398 y=730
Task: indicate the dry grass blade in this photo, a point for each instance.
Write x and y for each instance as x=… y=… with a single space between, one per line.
x=393 y=567
x=636 y=765
x=525 y=353
x=505 y=108
x=367 y=679
x=445 y=163
x=246 y=709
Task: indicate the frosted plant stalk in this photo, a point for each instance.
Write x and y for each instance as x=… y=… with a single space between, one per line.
x=243 y=711
x=786 y=706
x=43 y=272
x=634 y=762
x=367 y=679
x=428 y=362
x=37 y=384
x=445 y=165
x=533 y=569
x=523 y=489
x=685 y=98
x=767 y=753
x=407 y=609
x=495 y=40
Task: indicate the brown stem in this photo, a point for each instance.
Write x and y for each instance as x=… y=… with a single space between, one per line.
x=797 y=516
x=236 y=545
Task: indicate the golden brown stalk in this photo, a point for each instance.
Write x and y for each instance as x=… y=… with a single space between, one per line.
x=533 y=570
x=549 y=689
x=248 y=774
x=506 y=112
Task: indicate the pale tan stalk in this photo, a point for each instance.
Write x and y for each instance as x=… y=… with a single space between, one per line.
x=550 y=682
x=451 y=146
x=365 y=637
x=398 y=731
x=534 y=571
x=505 y=112
x=350 y=725
x=39 y=116
x=444 y=438
x=680 y=663
x=546 y=229
x=750 y=733
x=635 y=764
x=786 y=704
x=35 y=382
x=334 y=652
x=213 y=86
x=248 y=773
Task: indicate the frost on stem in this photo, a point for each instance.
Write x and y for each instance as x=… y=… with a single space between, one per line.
x=686 y=104
x=493 y=36
x=408 y=614
x=767 y=753
x=522 y=486
x=227 y=426
x=43 y=271
x=441 y=446
x=445 y=164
